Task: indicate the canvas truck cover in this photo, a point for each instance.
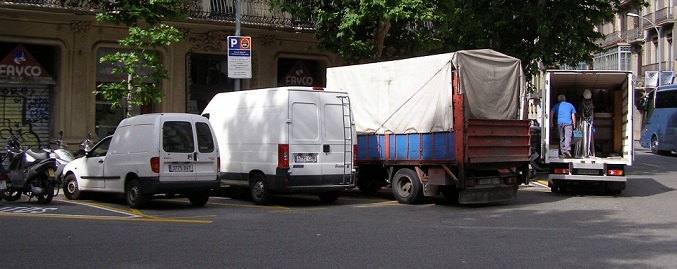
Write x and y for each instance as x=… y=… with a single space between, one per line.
x=415 y=96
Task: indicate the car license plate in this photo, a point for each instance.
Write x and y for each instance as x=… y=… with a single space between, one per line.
x=305 y=157
x=181 y=168
x=3 y=185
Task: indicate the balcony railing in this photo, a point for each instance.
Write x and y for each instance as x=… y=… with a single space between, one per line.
x=253 y=11
x=610 y=39
x=647 y=23
x=633 y=35
x=664 y=15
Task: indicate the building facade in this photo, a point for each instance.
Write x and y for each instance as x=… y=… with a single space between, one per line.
x=50 y=51
x=640 y=40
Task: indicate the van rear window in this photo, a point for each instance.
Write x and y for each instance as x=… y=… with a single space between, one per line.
x=205 y=140
x=177 y=136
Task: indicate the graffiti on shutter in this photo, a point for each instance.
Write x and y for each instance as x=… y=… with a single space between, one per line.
x=25 y=109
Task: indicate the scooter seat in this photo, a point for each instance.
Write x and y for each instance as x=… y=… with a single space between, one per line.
x=38 y=155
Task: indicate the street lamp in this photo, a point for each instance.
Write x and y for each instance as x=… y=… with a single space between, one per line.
x=658 y=35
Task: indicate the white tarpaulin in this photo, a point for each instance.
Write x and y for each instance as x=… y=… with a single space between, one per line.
x=414 y=95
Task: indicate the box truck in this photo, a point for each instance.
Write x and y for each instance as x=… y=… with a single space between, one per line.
x=448 y=123
x=603 y=143
x=287 y=139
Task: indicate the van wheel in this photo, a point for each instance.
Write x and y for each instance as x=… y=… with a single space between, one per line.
x=258 y=188
x=135 y=198
x=406 y=186
x=199 y=198
x=71 y=189
x=329 y=197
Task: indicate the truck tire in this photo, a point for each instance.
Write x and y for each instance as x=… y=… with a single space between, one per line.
x=406 y=186
x=258 y=189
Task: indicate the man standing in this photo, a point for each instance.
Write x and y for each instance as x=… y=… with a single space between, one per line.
x=566 y=122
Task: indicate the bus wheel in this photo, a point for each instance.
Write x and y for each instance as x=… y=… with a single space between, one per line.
x=654 y=146
x=407 y=188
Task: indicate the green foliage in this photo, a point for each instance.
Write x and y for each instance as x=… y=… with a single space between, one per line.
x=140 y=63
x=552 y=32
x=369 y=30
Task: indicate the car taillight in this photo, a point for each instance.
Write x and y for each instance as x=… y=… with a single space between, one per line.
x=155 y=164
x=218 y=164
x=318 y=89
x=283 y=156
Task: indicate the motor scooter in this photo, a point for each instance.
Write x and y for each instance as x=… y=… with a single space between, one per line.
x=30 y=173
x=62 y=156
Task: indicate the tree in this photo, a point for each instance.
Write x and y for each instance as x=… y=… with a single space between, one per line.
x=369 y=30
x=140 y=63
x=551 y=32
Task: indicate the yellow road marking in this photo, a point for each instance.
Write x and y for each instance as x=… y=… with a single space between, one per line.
x=53 y=216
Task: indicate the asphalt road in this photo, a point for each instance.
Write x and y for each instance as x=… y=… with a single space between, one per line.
x=540 y=229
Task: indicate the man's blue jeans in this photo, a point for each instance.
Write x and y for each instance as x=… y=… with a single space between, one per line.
x=565 y=132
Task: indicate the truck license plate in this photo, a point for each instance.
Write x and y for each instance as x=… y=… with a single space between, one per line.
x=181 y=168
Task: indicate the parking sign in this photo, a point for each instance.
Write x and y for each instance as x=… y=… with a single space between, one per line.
x=239 y=57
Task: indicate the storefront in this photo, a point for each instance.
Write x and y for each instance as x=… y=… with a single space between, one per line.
x=26 y=93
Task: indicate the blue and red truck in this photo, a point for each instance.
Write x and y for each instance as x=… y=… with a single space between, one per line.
x=449 y=123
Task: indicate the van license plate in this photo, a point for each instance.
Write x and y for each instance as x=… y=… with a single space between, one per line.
x=181 y=168
x=305 y=157
x=3 y=185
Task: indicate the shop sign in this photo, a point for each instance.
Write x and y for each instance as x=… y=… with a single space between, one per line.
x=298 y=75
x=19 y=63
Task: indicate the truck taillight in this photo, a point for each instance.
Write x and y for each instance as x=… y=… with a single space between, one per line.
x=561 y=171
x=155 y=164
x=614 y=172
x=283 y=156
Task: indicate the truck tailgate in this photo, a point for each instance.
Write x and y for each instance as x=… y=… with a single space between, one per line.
x=497 y=141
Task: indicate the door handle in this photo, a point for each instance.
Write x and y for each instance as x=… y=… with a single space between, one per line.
x=326 y=148
x=100 y=161
x=195 y=156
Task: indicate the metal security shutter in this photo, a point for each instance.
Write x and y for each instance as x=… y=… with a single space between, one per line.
x=25 y=108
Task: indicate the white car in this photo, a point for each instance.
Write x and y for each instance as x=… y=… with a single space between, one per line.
x=162 y=153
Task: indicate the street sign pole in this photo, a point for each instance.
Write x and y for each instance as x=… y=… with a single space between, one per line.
x=238 y=16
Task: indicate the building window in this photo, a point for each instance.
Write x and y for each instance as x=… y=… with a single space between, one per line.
x=107 y=118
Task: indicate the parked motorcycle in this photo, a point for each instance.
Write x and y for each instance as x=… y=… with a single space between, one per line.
x=30 y=173
x=62 y=156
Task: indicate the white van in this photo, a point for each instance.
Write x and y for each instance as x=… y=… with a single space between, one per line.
x=162 y=153
x=288 y=139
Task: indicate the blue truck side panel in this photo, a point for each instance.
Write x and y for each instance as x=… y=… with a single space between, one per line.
x=437 y=146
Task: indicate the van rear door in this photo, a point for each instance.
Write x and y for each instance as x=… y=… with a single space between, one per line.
x=305 y=144
x=188 y=151
x=337 y=138
x=317 y=144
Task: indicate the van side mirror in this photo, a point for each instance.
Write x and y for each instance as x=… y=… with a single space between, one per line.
x=206 y=115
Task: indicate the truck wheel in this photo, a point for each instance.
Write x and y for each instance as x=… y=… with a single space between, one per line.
x=71 y=189
x=406 y=186
x=329 y=197
x=199 y=198
x=135 y=198
x=258 y=188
